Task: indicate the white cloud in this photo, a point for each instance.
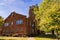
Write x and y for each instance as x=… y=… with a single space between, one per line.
x=12 y=5
x=2 y=12
x=6 y=2
x=21 y=2
x=1 y=4
x=9 y=1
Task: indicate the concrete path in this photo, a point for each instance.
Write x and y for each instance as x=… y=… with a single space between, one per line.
x=30 y=38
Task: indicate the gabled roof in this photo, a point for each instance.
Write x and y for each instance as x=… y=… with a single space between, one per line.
x=14 y=14
x=18 y=14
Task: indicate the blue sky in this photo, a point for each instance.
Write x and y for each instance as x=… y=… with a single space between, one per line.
x=19 y=6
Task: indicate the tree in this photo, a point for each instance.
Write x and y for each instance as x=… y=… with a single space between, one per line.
x=1 y=21
x=48 y=15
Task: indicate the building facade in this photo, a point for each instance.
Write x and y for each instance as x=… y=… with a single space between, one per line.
x=19 y=24
x=15 y=24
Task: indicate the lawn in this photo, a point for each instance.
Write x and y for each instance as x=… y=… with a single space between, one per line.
x=24 y=38
x=44 y=39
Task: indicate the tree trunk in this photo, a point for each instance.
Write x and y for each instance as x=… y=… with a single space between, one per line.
x=53 y=32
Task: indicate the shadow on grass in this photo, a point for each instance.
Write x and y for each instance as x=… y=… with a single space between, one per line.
x=43 y=36
x=7 y=39
x=2 y=39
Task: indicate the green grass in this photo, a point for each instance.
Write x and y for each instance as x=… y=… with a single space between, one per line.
x=44 y=39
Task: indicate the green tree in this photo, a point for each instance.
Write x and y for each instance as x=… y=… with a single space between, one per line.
x=48 y=15
x=1 y=21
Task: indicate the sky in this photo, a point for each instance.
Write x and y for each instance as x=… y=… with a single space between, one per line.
x=19 y=6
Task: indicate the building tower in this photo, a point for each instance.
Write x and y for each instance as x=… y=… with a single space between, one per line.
x=32 y=18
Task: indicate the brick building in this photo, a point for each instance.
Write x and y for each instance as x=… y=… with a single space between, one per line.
x=0 y=30
x=15 y=24
x=19 y=24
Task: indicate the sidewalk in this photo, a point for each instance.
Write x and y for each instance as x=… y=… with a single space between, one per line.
x=25 y=38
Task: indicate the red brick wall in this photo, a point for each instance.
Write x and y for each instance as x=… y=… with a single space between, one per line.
x=0 y=30
x=31 y=18
x=13 y=18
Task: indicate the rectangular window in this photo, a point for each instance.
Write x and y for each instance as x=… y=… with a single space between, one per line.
x=33 y=25
x=21 y=29
x=3 y=31
x=19 y=21
x=17 y=29
x=11 y=23
x=6 y=24
x=33 y=14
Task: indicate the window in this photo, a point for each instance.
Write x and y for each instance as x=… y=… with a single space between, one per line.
x=21 y=29
x=10 y=31
x=6 y=24
x=11 y=23
x=26 y=22
x=12 y=15
x=19 y=21
x=32 y=25
x=7 y=31
x=3 y=31
x=33 y=14
x=16 y=29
